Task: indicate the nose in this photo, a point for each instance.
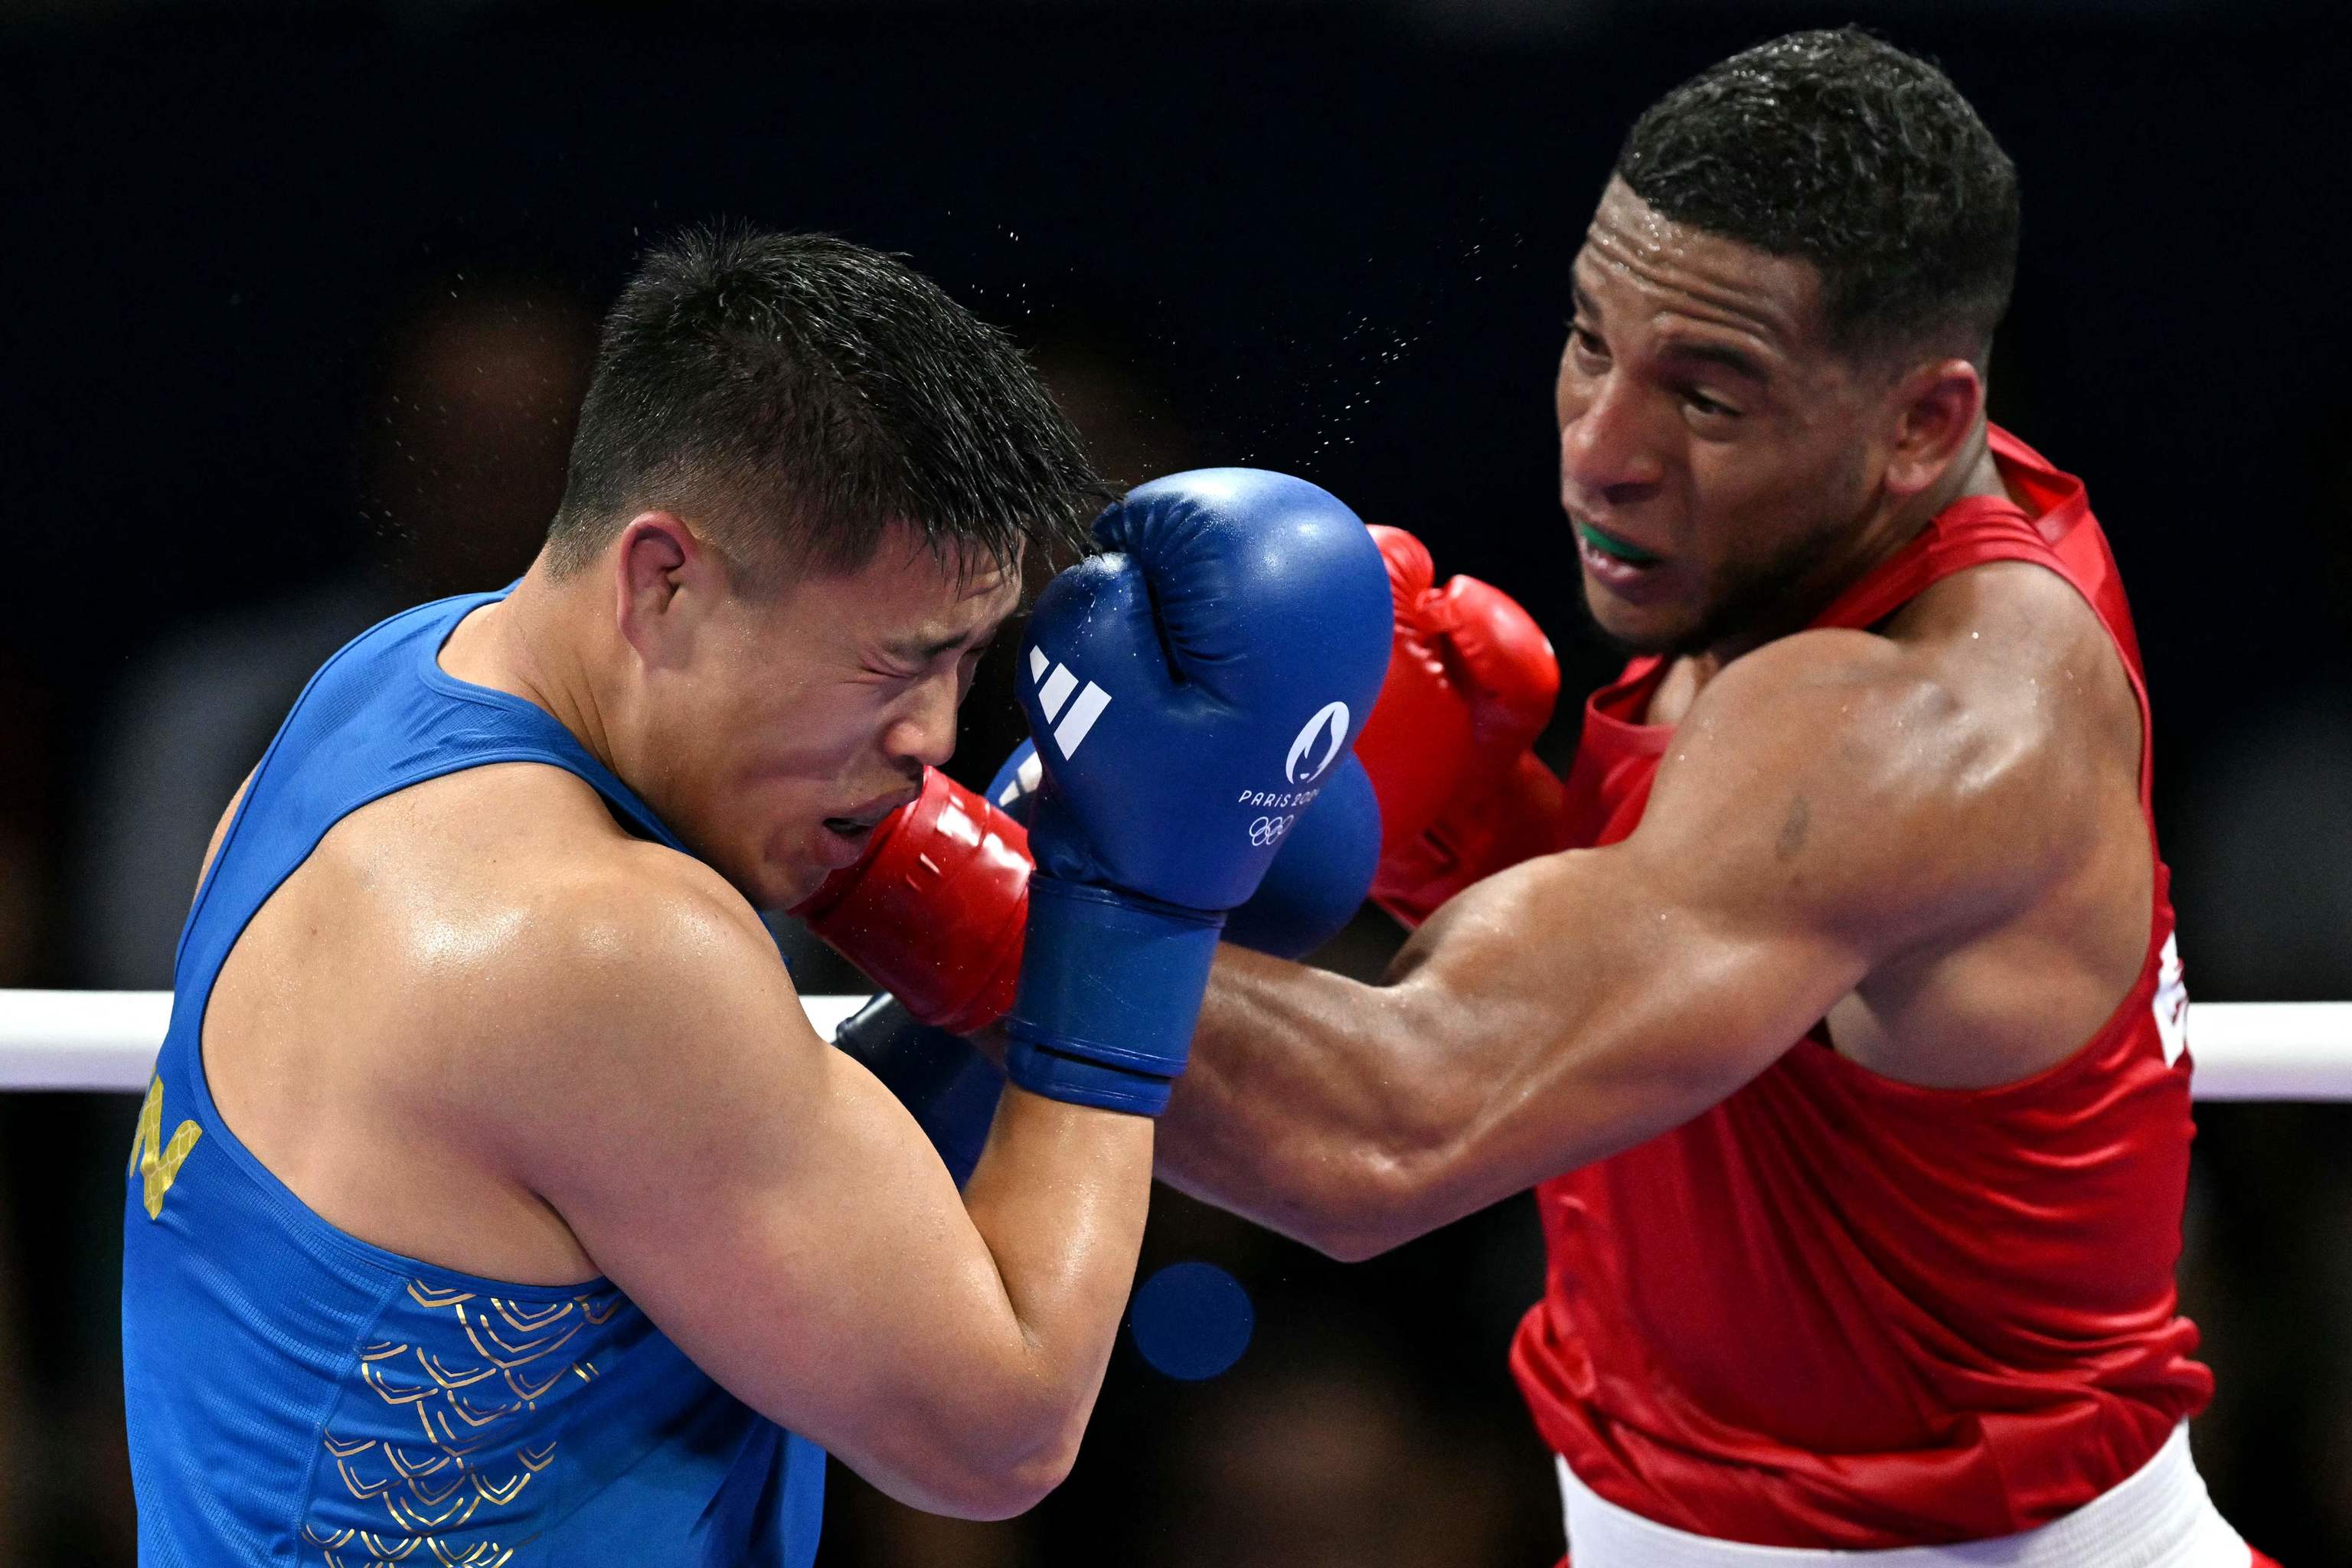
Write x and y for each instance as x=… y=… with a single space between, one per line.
x=1607 y=447
x=923 y=730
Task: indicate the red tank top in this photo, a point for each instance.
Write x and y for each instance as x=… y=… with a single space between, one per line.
x=1837 y=1310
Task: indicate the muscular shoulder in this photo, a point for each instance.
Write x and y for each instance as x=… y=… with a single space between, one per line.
x=565 y=945
x=616 y=942
x=641 y=923
x=1938 y=773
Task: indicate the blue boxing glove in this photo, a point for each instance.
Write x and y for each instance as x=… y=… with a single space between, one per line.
x=1190 y=689
x=1321 y=874
x=1322 y=870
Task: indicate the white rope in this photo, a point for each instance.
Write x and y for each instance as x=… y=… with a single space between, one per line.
x=2270 y=1050
x=107 y=1040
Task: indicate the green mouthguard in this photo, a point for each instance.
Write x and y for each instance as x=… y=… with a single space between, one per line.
x=1632 y=553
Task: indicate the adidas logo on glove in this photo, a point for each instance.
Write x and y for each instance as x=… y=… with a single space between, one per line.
x=1053 y=691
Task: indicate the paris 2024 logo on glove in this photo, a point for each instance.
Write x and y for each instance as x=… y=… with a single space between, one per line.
x=1311 y=755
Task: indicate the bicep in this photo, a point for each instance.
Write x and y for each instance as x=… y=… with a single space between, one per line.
x=1609 y=995
x=776 y=1213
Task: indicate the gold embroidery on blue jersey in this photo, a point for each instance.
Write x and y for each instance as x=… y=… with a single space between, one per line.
x=158 y=1162
x=433 y=1490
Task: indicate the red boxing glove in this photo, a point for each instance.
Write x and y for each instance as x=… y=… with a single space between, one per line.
x=1493 y=825
x=1472 y=682
x=937 y=908
x=1416 y=744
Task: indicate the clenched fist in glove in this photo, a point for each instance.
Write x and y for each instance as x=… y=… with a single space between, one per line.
x=1471 y=683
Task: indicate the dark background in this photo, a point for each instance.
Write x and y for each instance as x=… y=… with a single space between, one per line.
x=293 y=307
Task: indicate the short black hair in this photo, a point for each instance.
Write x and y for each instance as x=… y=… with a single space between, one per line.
x=796 y=396
x=1839 y=149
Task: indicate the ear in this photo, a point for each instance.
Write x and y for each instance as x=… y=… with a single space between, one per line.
x=1937 y=407
x=664 y=580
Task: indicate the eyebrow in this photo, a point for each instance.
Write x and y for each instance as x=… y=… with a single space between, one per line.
x=1737 y=361
x=922 y=652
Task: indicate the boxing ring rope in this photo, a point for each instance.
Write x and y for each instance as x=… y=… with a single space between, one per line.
x=107 y=1039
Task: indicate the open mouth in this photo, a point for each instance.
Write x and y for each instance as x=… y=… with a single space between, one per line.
x=1602 y=542
x=1620 y=568
x=856 y=829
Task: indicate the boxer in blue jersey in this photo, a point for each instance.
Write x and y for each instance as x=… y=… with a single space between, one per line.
x=494 y=1201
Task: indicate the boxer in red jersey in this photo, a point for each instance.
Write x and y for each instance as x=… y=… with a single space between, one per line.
x=1832 y=1004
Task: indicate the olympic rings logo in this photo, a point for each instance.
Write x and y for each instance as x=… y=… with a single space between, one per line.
x=1267 y=829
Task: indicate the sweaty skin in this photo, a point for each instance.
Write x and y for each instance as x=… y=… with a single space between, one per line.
x=484 y=1026
x=1928 y=834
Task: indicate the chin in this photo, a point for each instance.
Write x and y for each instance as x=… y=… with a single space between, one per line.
x=780 y=888
x=787 y=878
x=769 y=881
x=1636 y=632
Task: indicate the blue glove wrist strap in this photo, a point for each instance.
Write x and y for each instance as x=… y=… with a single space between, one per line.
x=1074 y=1080
x=1110 y=988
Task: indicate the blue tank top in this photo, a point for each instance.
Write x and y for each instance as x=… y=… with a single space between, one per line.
x=296 y=1395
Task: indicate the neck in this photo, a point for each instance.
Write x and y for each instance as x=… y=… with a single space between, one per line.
x=1893 y=523
x=543 y=643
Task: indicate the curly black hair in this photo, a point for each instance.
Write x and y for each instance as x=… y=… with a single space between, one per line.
x=1839 y=149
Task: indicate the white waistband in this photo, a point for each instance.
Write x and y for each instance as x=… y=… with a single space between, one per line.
x=2158 y=1517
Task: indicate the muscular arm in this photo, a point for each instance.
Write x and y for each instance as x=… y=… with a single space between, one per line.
x=1825 y=808
x=775 y=1211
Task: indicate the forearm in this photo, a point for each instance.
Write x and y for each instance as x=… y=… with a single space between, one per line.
x=1510 y=1039
x=1058 y=1198
x=1287 y=1115
x=1292 y=1113
x=1556 y=1014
